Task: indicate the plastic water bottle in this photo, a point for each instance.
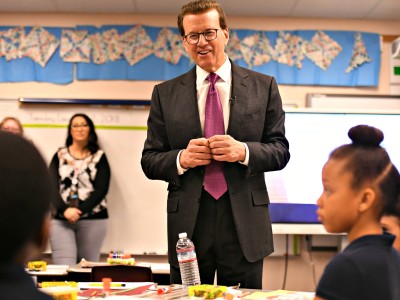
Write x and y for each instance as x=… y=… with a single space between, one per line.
x=187 y=260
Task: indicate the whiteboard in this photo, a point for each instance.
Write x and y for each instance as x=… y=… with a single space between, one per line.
x=137 y=206
x=374 y=103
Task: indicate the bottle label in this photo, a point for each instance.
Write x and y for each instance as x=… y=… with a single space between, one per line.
x=186 y=255
x=187 y=260
x=185 y=250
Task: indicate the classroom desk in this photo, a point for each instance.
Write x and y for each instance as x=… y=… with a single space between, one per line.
x=246 y=294
x=79 y=274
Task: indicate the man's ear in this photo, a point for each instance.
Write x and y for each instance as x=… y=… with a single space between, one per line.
x=184 y=44
x=226 y=33
x=368 y=200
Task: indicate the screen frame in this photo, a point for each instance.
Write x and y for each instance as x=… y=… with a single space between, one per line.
x=305 y=223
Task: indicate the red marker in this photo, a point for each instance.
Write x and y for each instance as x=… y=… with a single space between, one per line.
x=107 y=286
x=164 y=290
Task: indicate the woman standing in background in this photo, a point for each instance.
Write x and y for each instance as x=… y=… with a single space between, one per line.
x=12 y=125
x=79 y=223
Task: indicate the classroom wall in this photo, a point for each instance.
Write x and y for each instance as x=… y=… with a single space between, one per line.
x=300 y=276
x=142 y=89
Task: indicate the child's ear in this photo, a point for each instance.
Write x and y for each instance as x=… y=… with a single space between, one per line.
x=367 y=200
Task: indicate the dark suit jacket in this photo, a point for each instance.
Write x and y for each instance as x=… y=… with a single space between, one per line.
x=256 y=118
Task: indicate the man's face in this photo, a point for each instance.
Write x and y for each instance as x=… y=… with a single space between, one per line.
x=208 y=55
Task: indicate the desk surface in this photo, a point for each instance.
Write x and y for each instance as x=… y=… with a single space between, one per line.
x=182 y=293
x=52 y=270
x=78 y=273
x=156 y=268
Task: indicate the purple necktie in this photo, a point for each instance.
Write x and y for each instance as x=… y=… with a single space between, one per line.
x=214 y=179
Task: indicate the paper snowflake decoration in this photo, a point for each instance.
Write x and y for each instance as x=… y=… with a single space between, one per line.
x=10 y=42
x=168 y=46
x=322 y=50
x=39 y=45
x=136 y=44
x=290 y=49
x=257 y=50
x=75 y=46
x=360 y=55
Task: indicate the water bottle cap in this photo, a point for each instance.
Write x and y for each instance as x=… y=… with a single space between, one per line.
x=182 y=235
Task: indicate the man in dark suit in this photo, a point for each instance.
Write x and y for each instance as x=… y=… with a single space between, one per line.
x=232 y=233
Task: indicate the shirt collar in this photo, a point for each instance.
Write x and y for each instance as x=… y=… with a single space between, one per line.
x=224 y=72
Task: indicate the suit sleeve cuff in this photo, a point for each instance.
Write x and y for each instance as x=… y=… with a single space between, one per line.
x=178 y=165
x=246 y=160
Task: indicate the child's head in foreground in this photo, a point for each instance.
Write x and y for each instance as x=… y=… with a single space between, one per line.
x=360 y=183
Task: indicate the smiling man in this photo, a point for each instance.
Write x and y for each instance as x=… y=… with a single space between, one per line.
x=212 y=133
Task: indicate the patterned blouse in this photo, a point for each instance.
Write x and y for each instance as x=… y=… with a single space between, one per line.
x=89 y=178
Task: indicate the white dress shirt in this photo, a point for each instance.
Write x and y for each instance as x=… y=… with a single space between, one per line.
x=224 y=88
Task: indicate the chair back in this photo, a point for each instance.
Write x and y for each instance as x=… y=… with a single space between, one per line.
x=122 y=273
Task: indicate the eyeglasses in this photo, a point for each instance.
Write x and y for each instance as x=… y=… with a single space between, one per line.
x=194 y=38
x=76 y=126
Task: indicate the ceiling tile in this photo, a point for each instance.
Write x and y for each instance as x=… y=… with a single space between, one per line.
x=386 y=9
x=28 y=6
x=271 y=8
x=352 y=9
x=349 y=9
x=170 y=7
x=96 y=6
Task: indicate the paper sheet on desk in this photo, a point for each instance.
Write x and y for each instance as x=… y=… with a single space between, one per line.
x=51 y=270
x=89 y=264
x=129 y=288
x=281 y=295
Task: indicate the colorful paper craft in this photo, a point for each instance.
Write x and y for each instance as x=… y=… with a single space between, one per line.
x=322 y=50
x=289 y=49
x=233 y=49
x=75 y=46
x=257 y=50
x=110 y=38
x=136 y=44
x=10 y=42
x=360 y=55
x=168 y=46
x=39 y=45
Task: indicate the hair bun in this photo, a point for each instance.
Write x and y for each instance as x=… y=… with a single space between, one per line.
x=365 y=135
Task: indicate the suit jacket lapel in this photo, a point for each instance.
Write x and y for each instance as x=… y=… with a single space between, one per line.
x=188 y=101
x=238 y=107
